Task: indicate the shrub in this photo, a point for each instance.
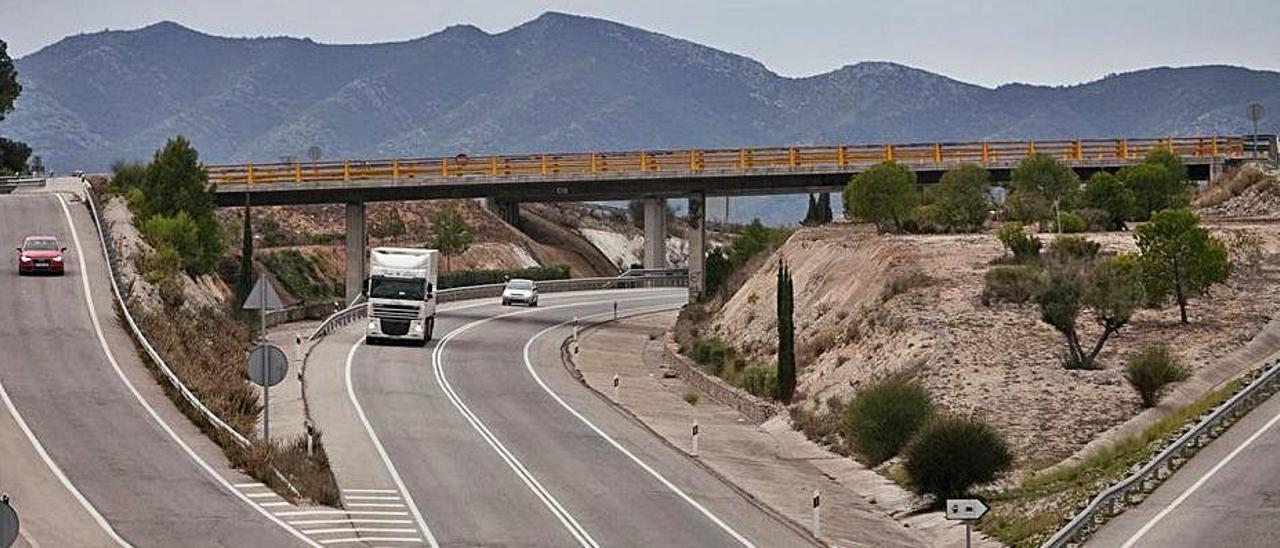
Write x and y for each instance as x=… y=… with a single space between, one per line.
x=1159 y=182
x=884 y=195
x=1151 y=371
x=712 y=354
x=760 y=380
x=1073 y=249
x=1070 y=223
x=952 y=454
x=1012 y=284
x=1179 y=258
x=1097 y=220
x=883 y=417
x=1038 y=181
x=691 y=398
x=1024 y=247
x=924 y=219
x=179 y=234
x=963 y=197
x=462 y=278
x=1107 y=193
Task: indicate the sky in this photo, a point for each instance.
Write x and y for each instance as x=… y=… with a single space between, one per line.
x=983 y=42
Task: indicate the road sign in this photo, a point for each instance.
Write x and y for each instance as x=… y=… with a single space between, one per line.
x=313 y=153
x=267 y=365
x=965 y=509
x=1255 y=112
x=8 y=523
x=263 y=297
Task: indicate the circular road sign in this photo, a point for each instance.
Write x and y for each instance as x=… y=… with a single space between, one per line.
x=1256 y=112
x=267 y=365
x=8 y=523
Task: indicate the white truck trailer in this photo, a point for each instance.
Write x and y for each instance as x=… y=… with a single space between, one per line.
x=401 y=294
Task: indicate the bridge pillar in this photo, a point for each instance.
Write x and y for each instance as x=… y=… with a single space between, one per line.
x=697 y=245
x=655 y=233
x=355 y=250
x=509 y=211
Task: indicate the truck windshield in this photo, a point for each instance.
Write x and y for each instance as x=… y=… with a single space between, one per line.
x=409 y=289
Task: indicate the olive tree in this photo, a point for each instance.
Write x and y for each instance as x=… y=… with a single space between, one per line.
x=1179 y=258
x=1109 y=288
x=884 y=195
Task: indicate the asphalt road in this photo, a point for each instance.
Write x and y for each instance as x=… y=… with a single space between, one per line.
x=1228 y=495
x=496 y=450
x=54 y=368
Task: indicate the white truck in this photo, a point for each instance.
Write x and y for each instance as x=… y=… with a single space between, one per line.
x=401 y=294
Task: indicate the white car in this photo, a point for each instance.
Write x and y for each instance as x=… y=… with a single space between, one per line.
x=520 y=291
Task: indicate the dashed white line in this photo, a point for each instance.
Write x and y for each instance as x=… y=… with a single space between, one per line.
x=384 y=491
x=262 y=495
x=375 y=505
x=371 y=539
x=370 y=497
x=247 y=485
x=295 y=513
x=357 y=520
x=356 y=530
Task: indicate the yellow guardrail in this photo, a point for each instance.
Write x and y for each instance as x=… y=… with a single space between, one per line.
x=724 y=161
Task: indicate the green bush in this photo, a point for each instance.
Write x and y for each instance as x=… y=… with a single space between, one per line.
x=1070 y=223
x=924 y=219
x=1097 y=220
x=712 y=354
x=1012 y=284
x=951 y=454
x=463 y=278
x=883 y=417
x=1064 y=249
x=963 y=197
x=300 y=276
x=178 y=234
x=1024 y=247
x=760 y=380
x=1151 y=371
x=883 y=194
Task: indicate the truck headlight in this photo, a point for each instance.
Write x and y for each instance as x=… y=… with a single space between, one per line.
x=416 y=325
x=373 y=324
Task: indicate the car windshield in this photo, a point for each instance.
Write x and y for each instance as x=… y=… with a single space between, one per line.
x=520 y=284
x=41 y=244
x=412 y=289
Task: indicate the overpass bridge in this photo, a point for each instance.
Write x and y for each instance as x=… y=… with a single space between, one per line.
x=506 y=180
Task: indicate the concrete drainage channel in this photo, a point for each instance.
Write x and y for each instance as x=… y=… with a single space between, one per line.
x=1260 y=385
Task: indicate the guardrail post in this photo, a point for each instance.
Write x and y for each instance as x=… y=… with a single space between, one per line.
x=346 y=170
x=493 y=166
x=986 y=152
x=937 y=153
x=793 y=157
x=297 y=172
x=395 y=168
x=841 y=160
x=249 y=173
x=592 y=155
x=544 y=164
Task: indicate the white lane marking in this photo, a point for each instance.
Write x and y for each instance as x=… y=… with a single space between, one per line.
x=294 y=513
x=273 y=504
x=387 y=491
x=375 y=505
x=262 y=495
x=106 y=349
x=415 y=540
x=57 y=471
x=247 y=485
x=382 y=451
x=370 y=497
x=528 y=364
x=357 y=530
x=353 y=520
x=1200 y=482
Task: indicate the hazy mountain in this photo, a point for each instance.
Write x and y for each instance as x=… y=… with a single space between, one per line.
x=559 y=82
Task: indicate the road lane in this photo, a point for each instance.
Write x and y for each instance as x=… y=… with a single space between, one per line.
x=1227 y=495
x=55 y=370
x=615 y=501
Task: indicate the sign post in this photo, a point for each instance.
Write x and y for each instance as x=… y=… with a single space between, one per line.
x=966 y=510
x=262 y=298
x=1255 y=113
x=8 y=522
x=817 y=513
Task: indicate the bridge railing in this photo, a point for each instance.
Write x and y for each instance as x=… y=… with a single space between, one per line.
x=358 y=310
x=814 y=158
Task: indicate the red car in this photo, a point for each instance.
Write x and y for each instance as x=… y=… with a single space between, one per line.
x=40 y=254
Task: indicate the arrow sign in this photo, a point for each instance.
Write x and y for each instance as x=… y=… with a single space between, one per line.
x=965 y=509
x=263 y=297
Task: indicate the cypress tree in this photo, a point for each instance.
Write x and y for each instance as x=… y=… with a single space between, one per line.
x=824 y=208
x=786 y=336
x=245 y=283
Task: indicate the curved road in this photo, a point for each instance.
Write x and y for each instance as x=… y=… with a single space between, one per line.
x=498 y=445
x=56 y=370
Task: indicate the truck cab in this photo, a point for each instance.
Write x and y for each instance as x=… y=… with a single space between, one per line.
x=401 y=293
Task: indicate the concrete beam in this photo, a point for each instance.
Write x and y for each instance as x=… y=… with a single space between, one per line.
x=655 y=233
x=355 y=250
x=697 y=246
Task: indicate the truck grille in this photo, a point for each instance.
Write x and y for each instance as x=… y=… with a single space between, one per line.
x=395 y=311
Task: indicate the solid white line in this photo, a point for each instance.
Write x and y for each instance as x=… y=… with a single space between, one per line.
x=370 y=497
x=371 y=539
x=106 y=349
x=528 y=363
x=382 y=451
x=375 y=504
x=340 y=512
x=357 y=530
x=337 y=521
x=273 y=504
x=388 y=491
x=262 y=495
x=1200 y=482
x=250 y=484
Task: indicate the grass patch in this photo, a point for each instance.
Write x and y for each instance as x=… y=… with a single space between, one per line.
x=691 y=398
x=1026 y=515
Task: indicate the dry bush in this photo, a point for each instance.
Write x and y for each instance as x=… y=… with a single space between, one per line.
x=1230 y=186
x=903 y=281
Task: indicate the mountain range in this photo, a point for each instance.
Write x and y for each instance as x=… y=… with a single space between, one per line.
x=558 y=82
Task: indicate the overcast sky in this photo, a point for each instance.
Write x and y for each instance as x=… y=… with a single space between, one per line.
x=983 y=42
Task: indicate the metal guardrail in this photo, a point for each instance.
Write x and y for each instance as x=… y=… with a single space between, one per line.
x=356 y=311
x=834 y=157
x=104 y=235
x=1133 y=488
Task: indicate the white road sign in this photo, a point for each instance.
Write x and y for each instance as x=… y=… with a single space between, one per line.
x=965 y=509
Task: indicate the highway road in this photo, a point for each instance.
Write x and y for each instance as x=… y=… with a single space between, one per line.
x=1228 y=495
x=93 y=409
x=498 y=445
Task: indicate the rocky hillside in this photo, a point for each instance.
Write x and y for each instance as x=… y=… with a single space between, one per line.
x=869 y=306
x=558 y=82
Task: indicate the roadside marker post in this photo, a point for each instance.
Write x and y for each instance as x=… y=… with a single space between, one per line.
x=694 y=452
x=311 y=437
x=817 y=513
x=615 y=310
x=616 y=383
x=575 y=329
x=966 y=510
